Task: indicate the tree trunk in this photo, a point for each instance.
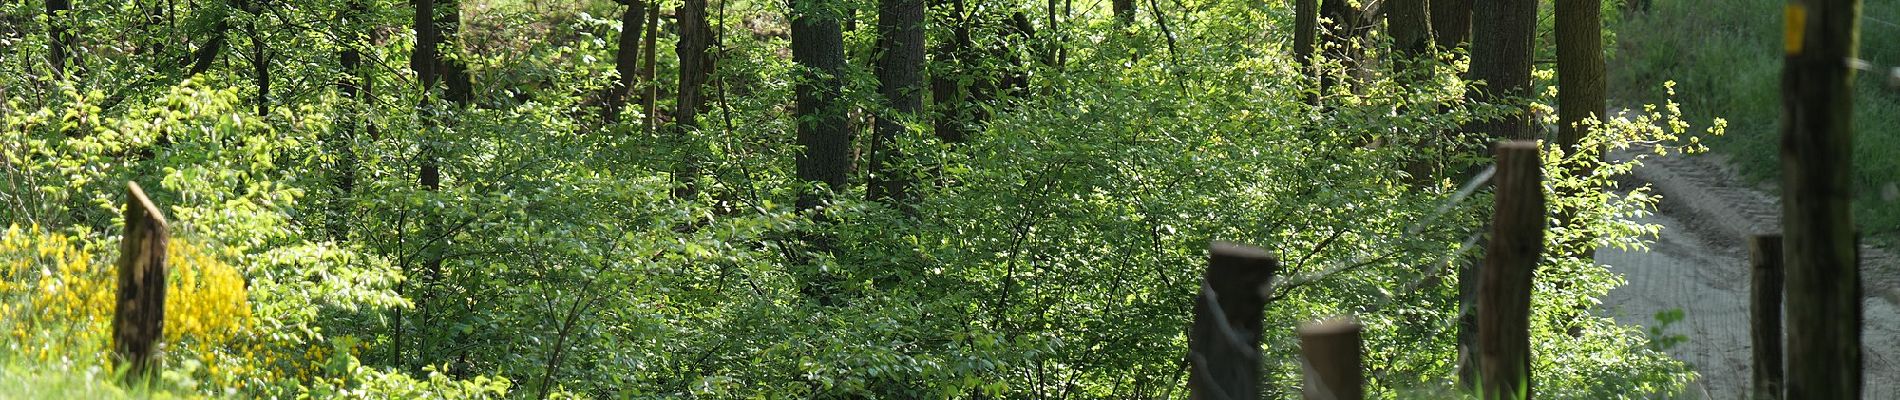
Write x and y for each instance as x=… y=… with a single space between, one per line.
x=1501 y=58
x=1124 y=12
x=651 y=96
x=1580 y=83
x=1305 y=36
x=952 y=58
x=461 y=87
x=260 y=58
x=696 y=66
x=59 y=38
x=900 y=64
x=350 y=83
x=1410 y=24
x=1339 y=35
x=626 y=58
x=1451 y=23
x=818 y=46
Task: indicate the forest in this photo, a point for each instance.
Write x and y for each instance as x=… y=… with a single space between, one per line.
x=850 y=199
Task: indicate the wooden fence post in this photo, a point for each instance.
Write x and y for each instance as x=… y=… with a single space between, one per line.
x=1224 y=345
x=1823 y=303
x=137 y=322
x=1764 y=259
x=1331 y=353
x=1504 y=284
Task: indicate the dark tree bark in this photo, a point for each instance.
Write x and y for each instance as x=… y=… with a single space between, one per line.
x=651 y=96
x=1124 y=11
x=1410 y=24
x=207 y=53
x=952 y=58
x=696 y=67
x=461 y=87
x=60 y=39
x=350 y=83
x=1819 y=243
x=900 y=64
x=1501 y=58
x=626 y=58
x=260 y=57
x=1581 y=92
x=1451 y=23
x=818 y=47
x=1305 y=37
x=1339 y=38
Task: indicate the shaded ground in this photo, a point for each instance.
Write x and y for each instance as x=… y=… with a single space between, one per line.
x=1699 y=265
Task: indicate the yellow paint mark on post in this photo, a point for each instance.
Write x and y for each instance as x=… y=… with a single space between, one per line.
x=1797 y=24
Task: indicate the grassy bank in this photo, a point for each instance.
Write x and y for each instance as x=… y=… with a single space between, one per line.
x=1725 y=58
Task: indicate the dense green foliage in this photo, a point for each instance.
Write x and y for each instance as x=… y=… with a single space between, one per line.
x=1054 y=254
x=1726 y=56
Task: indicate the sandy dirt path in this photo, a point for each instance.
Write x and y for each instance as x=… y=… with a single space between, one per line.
x=1698 y=265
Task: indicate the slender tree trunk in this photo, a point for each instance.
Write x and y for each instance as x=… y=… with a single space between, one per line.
x=948 y=93
x=1339 y=37
x=651 y=95
x=58 y=17
x=260 y=58
x=1305 y=38
x=461 y=87
x=900 y=64
x=1580 y=83
x=818 y=46
x=1124 y=11
x=626 y=58
x=696 y=66
x=207 y=53
x=1451 y=23
x=350 y=82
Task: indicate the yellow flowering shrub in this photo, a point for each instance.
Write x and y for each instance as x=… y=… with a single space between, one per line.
x=58 y=297
x=61 y=293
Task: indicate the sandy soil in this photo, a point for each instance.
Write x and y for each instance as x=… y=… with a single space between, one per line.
x=1699 y=265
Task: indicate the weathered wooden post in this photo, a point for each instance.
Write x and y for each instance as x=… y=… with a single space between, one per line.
x=1504 y=284
x=1224 y=345
x=1823 y=304
x=1764 y=260
x=1330 y=350
x=137 y=323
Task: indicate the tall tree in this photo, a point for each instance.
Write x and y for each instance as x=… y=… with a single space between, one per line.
x=1819 y=242
x=1410 y=24
x=260 y=57
x=1124 y=11
x=350 y=84
x=1580 y=83
x=1501 y=58
x=1340 y=26
x=696 y=67
x=952 y=59
x=1451 y=23
x=626 y=57
x=818 y=47
x=900 y=64
x=648 y=73
x=1305 y=34
x=58 y=15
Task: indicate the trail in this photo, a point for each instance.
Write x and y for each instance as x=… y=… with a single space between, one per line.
x=1699 y=265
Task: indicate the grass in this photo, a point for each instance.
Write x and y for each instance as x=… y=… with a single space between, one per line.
x=1725 y=58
